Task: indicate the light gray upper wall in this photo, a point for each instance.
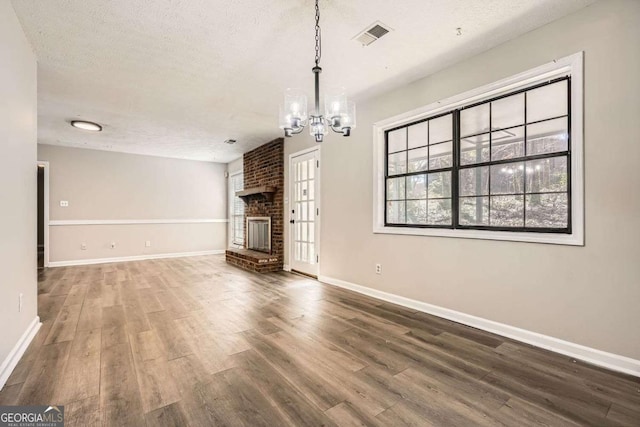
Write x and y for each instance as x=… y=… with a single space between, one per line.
x=18 y=171
x=102 y=185
x=235 y=166
x=108 y=185
x=587 y=295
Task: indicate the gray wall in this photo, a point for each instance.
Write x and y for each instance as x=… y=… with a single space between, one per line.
x=587 y=295
x=101 y=185
x=18 y=127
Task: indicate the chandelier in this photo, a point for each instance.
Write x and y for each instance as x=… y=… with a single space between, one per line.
x=340 y=114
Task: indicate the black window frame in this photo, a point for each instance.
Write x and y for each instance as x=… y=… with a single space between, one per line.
x=456 y=166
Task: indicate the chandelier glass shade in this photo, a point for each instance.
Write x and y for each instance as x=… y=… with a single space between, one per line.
x=339 y=112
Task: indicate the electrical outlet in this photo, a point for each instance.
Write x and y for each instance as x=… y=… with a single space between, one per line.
x=147 y=244
x=20 y=303
x=378 y=268
x=83 y=246
x=64 y=203
x=113 y=245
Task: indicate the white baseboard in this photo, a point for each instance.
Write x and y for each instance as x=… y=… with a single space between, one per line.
x=18 y=350
x=607 y=360
x=286 y=267
x=132 y=258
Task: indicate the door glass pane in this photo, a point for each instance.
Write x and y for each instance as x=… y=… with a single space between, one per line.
x=312 y=211
x=297 y=251
x=507 y=112
x=397 y=140
x=304 y=256
x=303 y=173
x=312 y=168
x=507 y=211
x=547 y=102
x=474 y=120
x=418 y=159
x=303 y=215
x=311 y=189
x=298 y=225
x=304 y=195
x=441 y=129
x=474 y=211
x=303 y=234
x=312 y=232
x=298 y=211
x=418 y=135
x=547 y=137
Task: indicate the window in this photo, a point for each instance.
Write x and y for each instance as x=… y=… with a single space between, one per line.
x=501 y=163
x=236 y=208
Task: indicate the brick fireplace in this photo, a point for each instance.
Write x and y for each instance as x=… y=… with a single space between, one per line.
x=264 y=198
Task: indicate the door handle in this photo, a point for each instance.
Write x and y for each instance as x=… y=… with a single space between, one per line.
x=293 y=221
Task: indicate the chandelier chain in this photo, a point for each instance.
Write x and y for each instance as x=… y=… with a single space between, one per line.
x=318 y=36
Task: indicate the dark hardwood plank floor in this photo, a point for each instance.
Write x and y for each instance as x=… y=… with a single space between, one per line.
x=193 y=341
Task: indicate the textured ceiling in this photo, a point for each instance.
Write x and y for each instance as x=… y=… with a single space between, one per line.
x=176 y=78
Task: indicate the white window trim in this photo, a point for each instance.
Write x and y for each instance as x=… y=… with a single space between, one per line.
x=570 y=65
x=231 y=201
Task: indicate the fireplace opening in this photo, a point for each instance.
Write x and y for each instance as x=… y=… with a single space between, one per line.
x=259 y=233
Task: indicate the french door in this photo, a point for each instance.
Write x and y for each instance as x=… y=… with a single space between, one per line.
x=304 y=209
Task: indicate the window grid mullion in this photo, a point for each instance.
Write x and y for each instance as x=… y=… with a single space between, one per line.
x=489 y=199
x=406 y=170
x=524 y=197
x=426 y=177
x=455 y=174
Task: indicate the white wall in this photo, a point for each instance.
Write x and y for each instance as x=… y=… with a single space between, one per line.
x=235 y=166
x=18 y=171
x=101 y=185
x=587 y=295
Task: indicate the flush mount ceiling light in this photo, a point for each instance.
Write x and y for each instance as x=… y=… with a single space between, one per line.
x=340 y=114
x=84 y=125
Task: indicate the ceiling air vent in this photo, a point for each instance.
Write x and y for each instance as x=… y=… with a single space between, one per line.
x=371 y=34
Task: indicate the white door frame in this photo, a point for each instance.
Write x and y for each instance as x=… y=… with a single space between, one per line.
x=46 y=210
x=318 y=203
x=230 y=200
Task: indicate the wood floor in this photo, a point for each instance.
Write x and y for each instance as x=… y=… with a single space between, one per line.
x=194 y=341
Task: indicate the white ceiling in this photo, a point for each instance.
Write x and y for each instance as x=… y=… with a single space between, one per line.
x=176 y=78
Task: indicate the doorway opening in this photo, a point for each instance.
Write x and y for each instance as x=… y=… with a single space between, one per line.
x=43 y=216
